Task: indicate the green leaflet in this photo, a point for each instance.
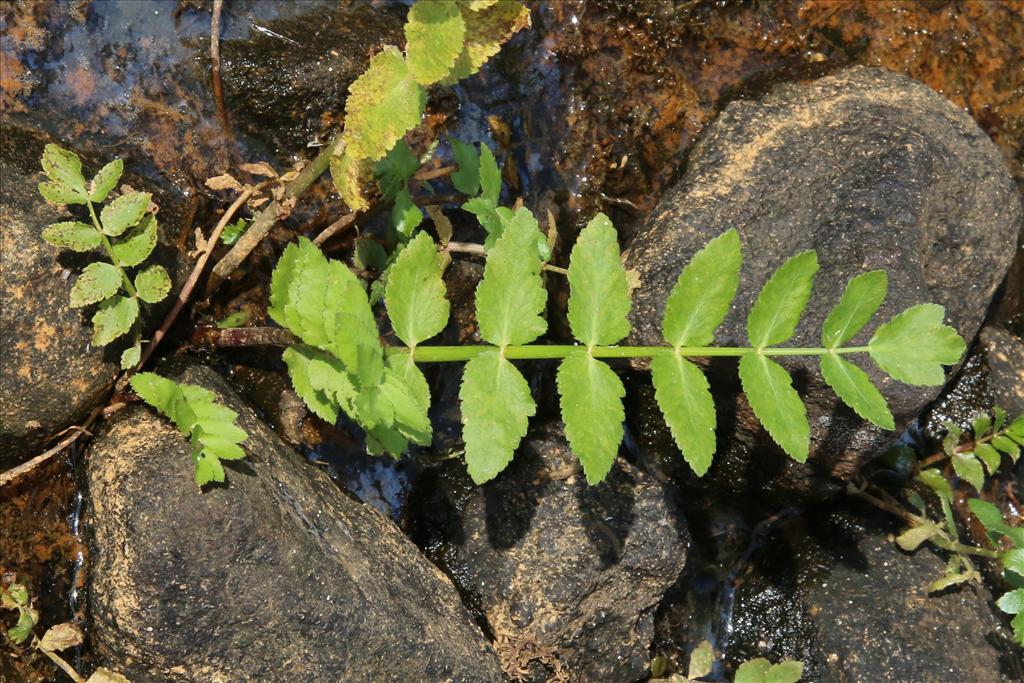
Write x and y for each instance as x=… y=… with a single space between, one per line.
x=599 y=292
x=490 y=176
x=968 y=468
x=414 y=422
x=511 y=298
x=55 y=193
x=72 y=235
x=350 y=175
x=383 y=103
x=124 y=212
x=496 y=407
x=861 y=298
x=770 y=391
x=487 y=29
x=105 y=180
x=988 y=455
x=1012 y=602
x=991 y=517
x=592 y=410
x=701 y=296
x=467 y=178
x=97 y=282
x=914 y=345
x=782 y=300
x=64 y=168
x=298 y=359
x=209 y=425
x=752 y=671
x=405 y=216
x=234 y=231
x=135 y=246
x=434 y=32
x=153 y=284
x=683 y=394
x=114 y=318
x=415 y=293
x=130 y=357
x=702 y=660
x=854 y=387
x=395 y=170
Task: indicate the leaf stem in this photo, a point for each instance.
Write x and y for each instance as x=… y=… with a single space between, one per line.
x=109 y=248
x=445 y=354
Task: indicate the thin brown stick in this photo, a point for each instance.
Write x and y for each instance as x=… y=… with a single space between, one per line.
x=218 y=87
x=15 y=473
x=265 y=221
x=193 y=278
x=244 y=336
x=425 y=174
x=336 y=227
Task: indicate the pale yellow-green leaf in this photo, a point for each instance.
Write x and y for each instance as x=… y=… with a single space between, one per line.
x=684 y=396
x=782 y=300
x=64 y=167
x=434 y=32
x=351 y=176
x=487 y=29
x=135 y=246
x=383 y=104
x=114 y=318
x=124 y=212
x=854 y=387
x=915 y=344
x=598 y=290
x=776 y=404
x=592 y=411
x=97 y=282
x=415 y=292
x=701 y=297
x=72 y=235
x=153 y=284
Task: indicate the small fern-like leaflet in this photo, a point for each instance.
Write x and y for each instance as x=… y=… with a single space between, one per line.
x=194 y=410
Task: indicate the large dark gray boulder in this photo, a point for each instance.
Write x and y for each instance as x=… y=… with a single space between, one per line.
x=872 y=170
x=567 y=575
x=275 y=575
x=51 y=376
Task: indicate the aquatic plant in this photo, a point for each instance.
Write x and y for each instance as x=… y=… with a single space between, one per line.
x=125 y=230
x=342 y=367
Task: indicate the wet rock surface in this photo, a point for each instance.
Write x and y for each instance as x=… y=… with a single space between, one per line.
x=566 y=575
x=274 y=575
x=52 y=377
x=873 y=171
x=843 y=598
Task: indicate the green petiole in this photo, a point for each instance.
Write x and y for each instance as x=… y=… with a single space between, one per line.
x=447 y=354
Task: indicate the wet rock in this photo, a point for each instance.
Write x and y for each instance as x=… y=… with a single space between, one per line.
x=873 y=171
x=275 y=575
x=844 y=599
x=566 y=575
x=52 y=377
x=286 y=83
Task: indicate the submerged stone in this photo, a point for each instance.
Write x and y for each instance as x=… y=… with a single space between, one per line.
x=567 y=575
x=274 y=575
x=873 y=171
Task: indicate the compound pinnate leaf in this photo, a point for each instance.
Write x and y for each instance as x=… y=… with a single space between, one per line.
x=776 y=404
x=124 y=212
x=599 y=292
x=434 y=33
x=854 y=387
x=861 y=298
x=135 y=246
x=752 y=671
x=72 y=235
x=55 y=193
x=105 y=180
x=97 y=282
x=683 y=394
x=114 y=318
x=350 y=176
x=64 y=168
x=782 y=300
x=490 y=175
x=153 y=284
x=487 y=29
x=383 y=103
x=194 y=410
x=496 y=407
x=701 y=296
x=394 y=171
x=592 y=411
x=511 y=297
x=415 y=293
x=467 y=178
x=914 y=345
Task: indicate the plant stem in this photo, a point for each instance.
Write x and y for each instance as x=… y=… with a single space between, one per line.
x=444 y=354
x=128 y=286
x=265 y=221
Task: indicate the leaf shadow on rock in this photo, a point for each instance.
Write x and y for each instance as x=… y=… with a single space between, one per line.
x=608 y=512
x=512 y=499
